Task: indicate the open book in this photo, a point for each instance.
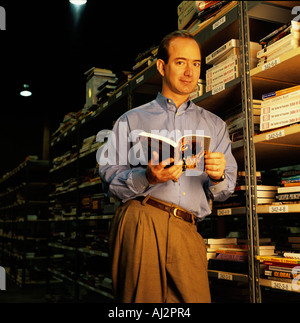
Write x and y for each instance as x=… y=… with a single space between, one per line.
x=189 y=148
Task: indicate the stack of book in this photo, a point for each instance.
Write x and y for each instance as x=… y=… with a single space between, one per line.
x=145 y=59
x=225 y=61
x=280 y=108
x=95 y=78
x=105 y=90
x=284 y=268
x=290 y=190
x=193 y=13
x=226 y=255
x=265 y=193
x=280 y=41
x=235 y=122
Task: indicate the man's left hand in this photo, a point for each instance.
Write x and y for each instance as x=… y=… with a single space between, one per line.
x=215 y=165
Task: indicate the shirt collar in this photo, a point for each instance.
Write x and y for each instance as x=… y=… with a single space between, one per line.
x=168 y=104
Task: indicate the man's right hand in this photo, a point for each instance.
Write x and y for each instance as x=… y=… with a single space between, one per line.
x=160 y=173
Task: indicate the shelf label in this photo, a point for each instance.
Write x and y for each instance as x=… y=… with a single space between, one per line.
x=105 y=104
x=140 y=79
x=275 y=135
x=279 y=209
x=271 y=64
x=118 y=94
x=225 y=276
x=282 y=286
x=219 y=23
x=222 y=212
x=218 y=89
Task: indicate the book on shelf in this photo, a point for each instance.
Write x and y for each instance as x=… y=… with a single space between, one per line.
x=280 y=108
x=190 y=12
x=289 y=41
x=287 y=189
x=221 y=241
x=196 y=25
x=274 y=94
x=231 y=48
x=264 y=41
x=95 y=77
x=189 y=148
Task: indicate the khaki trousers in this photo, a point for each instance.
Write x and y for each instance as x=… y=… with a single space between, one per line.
x=156 y=257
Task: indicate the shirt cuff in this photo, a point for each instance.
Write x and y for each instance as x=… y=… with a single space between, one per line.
x=215 y=189
x=139 y=181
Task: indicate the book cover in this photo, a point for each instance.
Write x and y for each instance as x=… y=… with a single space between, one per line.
x=189 y=148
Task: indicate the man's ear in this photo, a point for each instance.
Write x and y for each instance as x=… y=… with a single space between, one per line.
x=160 y=64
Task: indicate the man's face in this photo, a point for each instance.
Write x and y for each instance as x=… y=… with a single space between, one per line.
x=182 y=71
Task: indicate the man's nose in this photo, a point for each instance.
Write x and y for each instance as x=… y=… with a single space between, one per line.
x=189 y=70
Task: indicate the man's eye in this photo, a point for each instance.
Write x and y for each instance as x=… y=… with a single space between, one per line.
x=180 y=63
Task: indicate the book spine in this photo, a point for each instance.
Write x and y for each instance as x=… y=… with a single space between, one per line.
x=280 y=123
x=280 y=274
x=222 y=50
x=286 y=103
x=220 y=76
x=279 y=95
x=222 y=82
x=274 y=46
x=283 y=113
x=277 y=53
x=222 y=67
x=231 y=257
x=288 y=197
x=278 y=260
x=274 y=33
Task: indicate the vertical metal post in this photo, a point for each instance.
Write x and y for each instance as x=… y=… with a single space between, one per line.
x=249 y=153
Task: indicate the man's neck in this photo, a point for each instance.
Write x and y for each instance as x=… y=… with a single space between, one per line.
x=177 y=98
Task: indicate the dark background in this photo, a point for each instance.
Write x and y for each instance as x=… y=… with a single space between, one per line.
x=48 y=47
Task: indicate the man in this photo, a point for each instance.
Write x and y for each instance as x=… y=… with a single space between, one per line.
x=157 y=254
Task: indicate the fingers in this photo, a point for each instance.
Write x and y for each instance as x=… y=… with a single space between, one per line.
x=215 y=164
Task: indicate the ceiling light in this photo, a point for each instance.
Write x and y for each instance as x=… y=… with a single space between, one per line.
x=26 y=92
x=78 y=2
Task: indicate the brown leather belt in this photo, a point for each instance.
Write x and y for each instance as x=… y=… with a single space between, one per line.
x=170 y=208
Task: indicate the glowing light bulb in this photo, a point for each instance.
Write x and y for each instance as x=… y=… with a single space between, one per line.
x=78 y=2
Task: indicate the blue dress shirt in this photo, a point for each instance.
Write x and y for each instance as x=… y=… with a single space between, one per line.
x=192 y=193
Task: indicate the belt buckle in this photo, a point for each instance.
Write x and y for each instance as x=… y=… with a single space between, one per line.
x=175 y=213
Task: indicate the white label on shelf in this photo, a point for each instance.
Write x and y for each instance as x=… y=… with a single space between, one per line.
x=219 y=23
x=222 y=212
x=65 y=134
x=282 y=286
x=270 y=64
x=73 y=128
x=225 y=276
x=218 y=89
x=118 y=94
x=279 y=209
x=105 y=104
x=140 y=79
x=82 y=121
x=275 y=135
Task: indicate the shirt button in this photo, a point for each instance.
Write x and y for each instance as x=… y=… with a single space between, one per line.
x=169 y=101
